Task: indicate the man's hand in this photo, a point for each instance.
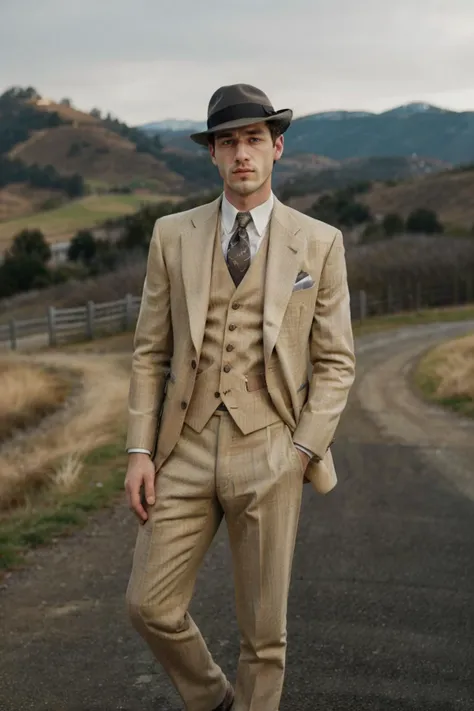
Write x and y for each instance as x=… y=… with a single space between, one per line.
x=140 y=472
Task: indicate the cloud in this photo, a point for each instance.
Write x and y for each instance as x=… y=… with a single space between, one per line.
x=147 y=60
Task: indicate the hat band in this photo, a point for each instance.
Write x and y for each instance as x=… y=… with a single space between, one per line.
x=239 y=111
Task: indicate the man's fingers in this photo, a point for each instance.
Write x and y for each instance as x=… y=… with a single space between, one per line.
x=136 y=504
x=149 y=482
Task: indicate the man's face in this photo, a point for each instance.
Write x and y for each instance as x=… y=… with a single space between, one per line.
x=245 y=157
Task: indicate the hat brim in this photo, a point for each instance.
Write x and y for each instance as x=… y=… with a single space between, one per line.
x=282 y=117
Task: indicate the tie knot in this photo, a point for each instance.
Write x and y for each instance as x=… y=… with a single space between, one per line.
x=243 y=219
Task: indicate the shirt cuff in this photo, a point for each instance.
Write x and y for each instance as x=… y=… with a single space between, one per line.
x=305 y=450
x=137 y=449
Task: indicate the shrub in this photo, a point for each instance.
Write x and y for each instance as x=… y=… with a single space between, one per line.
x=423 y=221
x=393 y=224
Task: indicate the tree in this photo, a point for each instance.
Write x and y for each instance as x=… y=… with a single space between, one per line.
x=21 y=273
x=354 y=213
x=31 y=243
x=393 y=224
x=95 y=113
x=83 y=247
x=423 y=221
x=66 y=102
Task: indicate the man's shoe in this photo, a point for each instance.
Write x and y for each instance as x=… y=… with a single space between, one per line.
x=228 y=700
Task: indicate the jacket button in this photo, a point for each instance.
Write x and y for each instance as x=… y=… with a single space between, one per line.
x=232 y=327
x=236 y=306
x=216 y=394
x=184 y=405
x=227 y=369
x=229 y=348
x=193 y=364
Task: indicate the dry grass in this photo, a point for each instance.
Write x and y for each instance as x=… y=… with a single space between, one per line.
x=95 y=152
x=446 y=375
x=20 y=199
x=29 y=392
x=449 y=194
x=52 y=457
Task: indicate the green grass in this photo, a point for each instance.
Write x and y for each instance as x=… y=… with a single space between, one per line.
x=51 y=515
x=63 y=222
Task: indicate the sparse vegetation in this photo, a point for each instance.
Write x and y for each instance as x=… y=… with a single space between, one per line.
x=51 y=458
x=29 y=392
x=445 y=375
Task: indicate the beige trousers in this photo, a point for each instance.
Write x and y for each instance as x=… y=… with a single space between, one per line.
x=256 y=482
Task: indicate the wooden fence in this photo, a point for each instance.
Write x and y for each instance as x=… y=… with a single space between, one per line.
x=93 y=320
x=63 y=325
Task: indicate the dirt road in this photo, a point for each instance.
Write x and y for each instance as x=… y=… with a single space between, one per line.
x=380 y=615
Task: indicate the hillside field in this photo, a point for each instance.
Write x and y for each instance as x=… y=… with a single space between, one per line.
x=449 y=193
x=95 y=153
x=62 y=223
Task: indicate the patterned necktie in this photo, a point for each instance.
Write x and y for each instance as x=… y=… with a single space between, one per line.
x=238 y=252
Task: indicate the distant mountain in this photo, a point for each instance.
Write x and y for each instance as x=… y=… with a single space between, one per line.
x=173 y=125
x=415 y=129
x=412 y=129
x=415 y=107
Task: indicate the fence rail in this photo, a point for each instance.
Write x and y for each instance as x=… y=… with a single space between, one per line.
x=94 y=320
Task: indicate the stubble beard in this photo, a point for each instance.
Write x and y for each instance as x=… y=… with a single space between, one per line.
x=248 y=186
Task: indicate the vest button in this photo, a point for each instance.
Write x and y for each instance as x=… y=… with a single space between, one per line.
x=232 y=327
x=184 y=405
x=216 y=394
x=227 y=369
x=236 y=306
x=193 y=364
x=229 y=348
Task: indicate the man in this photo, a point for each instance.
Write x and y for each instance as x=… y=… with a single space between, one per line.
x=223 y=418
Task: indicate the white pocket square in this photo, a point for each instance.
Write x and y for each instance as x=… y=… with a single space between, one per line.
x=303 y=281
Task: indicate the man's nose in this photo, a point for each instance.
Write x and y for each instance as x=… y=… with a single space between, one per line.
x=241 y=151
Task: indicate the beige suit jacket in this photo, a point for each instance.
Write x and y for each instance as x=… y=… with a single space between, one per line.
x=307 y=334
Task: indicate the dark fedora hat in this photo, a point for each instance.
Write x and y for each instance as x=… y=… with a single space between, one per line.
x=240 y=105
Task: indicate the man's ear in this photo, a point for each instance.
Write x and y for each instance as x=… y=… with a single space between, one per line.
x=279 y=147
x=212 y=153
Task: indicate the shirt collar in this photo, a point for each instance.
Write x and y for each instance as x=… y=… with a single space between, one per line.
x=260 y=215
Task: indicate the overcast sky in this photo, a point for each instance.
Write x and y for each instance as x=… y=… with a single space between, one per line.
x=144 y=60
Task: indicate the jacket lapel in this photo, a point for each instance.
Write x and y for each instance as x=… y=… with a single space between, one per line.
x=285 y=252
x=197 y=244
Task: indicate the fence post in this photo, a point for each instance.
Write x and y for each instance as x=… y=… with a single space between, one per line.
x=469 y=288
x=13 y=339
x=362 y=305
x=418 y=296
x=90 y=320
x=128 y=320
x=456 y=290
x=52 y=326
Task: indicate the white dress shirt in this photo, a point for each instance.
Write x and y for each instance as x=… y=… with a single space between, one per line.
x=256 y=230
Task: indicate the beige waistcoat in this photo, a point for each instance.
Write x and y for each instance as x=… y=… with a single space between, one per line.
x=231 y=365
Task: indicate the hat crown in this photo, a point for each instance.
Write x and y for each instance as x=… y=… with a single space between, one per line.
x=236 y=94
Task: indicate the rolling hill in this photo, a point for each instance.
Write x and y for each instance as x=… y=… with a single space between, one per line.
x=449 y=193
x=96 y=153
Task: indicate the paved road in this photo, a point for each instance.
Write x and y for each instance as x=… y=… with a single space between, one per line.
x=380 y=615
